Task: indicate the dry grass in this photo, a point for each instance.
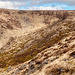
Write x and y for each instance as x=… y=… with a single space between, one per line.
x=59 y=70
x=9 y=58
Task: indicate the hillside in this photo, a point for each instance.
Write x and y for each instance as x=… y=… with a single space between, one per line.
x=37 y=42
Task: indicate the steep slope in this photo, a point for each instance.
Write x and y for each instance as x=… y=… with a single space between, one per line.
x=15 y=23
x=45 y=37
x=56 y=60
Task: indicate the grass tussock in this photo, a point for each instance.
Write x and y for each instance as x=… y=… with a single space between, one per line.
x=9 y=58
x=59 y=70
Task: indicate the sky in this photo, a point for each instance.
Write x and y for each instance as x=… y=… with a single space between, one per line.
x=38 y=4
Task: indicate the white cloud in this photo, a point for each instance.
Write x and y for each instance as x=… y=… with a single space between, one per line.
x=45 y=8
x=70 y=2
x=31 y=4
x=10 y=4
x=7 y=4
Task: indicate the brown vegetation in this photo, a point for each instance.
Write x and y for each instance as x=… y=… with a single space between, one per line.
x=41 y=39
